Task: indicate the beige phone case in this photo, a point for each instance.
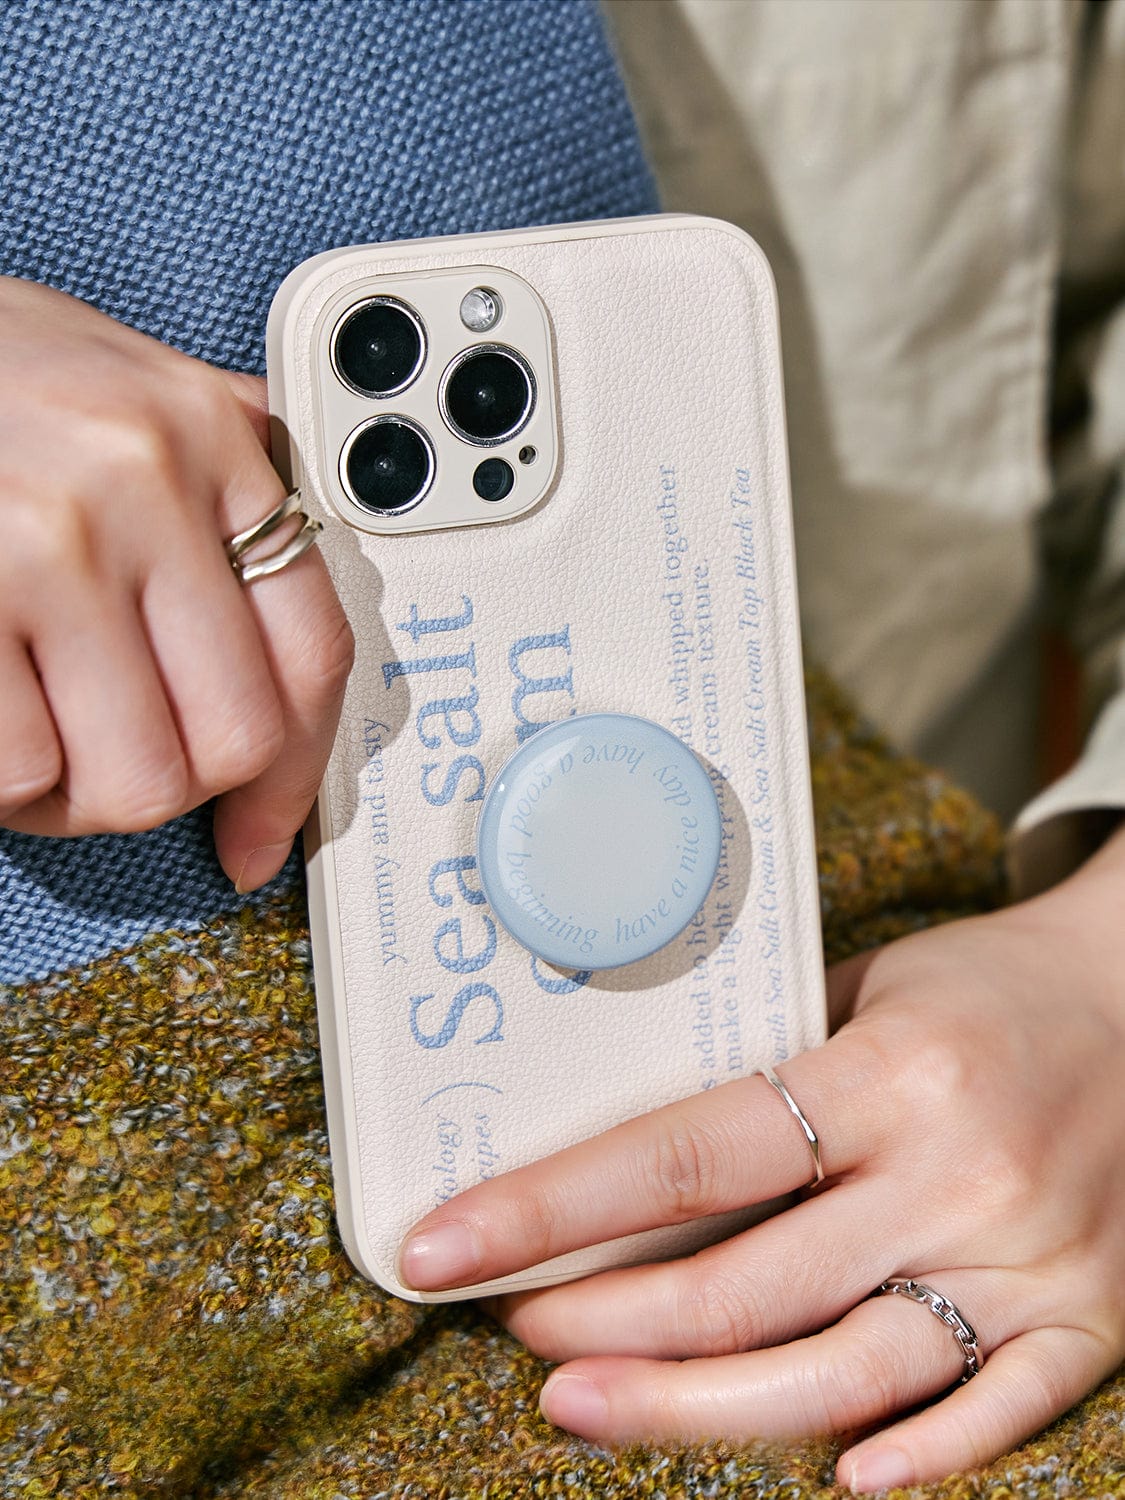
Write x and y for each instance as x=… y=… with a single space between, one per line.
x=654 y=578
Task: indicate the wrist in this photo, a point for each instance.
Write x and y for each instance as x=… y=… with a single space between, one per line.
x=1097 y=886
x=1082 y=917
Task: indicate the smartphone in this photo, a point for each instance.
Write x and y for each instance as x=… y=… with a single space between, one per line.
x=551 y=468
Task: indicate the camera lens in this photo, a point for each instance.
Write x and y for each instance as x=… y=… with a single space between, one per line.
x=493 y=479
x=388 y=465
x=378 y=348
x=488 y=394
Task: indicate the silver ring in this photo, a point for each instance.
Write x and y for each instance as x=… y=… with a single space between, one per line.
x=297 y=545
x=798 y=1114
x=942 y=1308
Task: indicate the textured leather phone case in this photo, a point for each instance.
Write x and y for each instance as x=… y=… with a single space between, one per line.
x=656 y=578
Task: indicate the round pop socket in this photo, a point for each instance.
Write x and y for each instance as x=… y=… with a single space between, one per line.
x=598 y=841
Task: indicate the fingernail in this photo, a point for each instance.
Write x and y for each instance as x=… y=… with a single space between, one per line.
x=261 y=865
x=880 y=1469
x=575 y=1403
x=447 y=1255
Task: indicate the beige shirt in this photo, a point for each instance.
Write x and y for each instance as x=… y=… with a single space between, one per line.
x=940 y=188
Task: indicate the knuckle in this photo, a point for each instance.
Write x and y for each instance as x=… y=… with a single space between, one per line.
x=869 y=1056
x=328 y=658
x=1107 y=1327
x=934 y=1077
x=60 y=538
x=684 y=1171
x=247 y=743
x=1004 y=1185
x=1055 y=1384
x=320 y=654
x=63 y=526
x=535 y=1328
x=205 y=401
x=663 y=1404
x=149 y=798
x=29 y=775
x=135 y=443
x=203 y=393
x=718 y=1315
x=855 y=1389
x=538 y=1225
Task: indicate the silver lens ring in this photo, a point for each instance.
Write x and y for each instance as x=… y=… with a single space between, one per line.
x=397 y=420
x=346 y=317
x=451 y=370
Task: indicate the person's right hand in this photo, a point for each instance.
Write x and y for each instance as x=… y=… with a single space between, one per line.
x=138 y=677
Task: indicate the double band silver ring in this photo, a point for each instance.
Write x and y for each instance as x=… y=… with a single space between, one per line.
x=798 y=1114
x=942 y=1308
x=273 y=562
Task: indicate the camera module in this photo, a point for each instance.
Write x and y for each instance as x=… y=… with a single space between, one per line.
x=387 y=465
x=487 y=394
x=379 y=347
x=493 y=479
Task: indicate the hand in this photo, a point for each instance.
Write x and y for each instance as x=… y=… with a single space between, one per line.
x=970 y=1121
x=138 y=676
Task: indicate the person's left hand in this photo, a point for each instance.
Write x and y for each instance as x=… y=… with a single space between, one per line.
x=970 y=1116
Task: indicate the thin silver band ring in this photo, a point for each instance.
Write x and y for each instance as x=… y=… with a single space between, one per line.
x=942 y=1308
x=798 y=1114
x=297 y=545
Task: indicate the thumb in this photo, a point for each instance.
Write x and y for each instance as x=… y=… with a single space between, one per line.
x=250 y=393
x=843 y=984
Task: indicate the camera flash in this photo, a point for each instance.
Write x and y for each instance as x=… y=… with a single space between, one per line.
x=480 y=309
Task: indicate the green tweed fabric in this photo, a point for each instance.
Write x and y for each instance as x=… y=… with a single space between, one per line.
x=177 y=1317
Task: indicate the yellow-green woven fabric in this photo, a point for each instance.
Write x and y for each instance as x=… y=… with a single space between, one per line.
x=177 y=1316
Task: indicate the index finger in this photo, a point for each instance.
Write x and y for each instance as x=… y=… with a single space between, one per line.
x=731 y=1147
x=309 y=647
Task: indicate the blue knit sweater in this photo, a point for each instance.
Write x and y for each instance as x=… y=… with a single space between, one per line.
x=171 y=162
